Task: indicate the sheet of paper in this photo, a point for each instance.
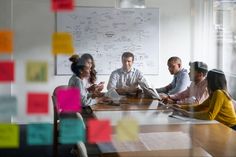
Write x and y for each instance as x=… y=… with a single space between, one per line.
x=193 y=120
x=165 y=140
x=168 y=143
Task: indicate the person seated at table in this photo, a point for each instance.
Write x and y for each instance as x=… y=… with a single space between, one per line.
x=81 y=71
x=126 y=79
x=90 y=82
x=218 y=106
x=181 y=79
x=197 y=92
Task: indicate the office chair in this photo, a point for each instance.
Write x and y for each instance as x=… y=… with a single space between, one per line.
x=56 y=122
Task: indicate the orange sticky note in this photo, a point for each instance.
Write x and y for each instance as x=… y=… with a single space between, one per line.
x=6 y=42
x=62 y=43
x=6 y=71
x=62 y=5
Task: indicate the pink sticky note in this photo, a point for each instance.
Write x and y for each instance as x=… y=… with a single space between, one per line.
x=62 y=5
x=37 y=103
x=99 y=131
x=6 y=71
x=68 y=100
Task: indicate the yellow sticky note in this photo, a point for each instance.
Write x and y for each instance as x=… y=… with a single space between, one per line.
x=37 y=71
x=9 y=136
x=127 y=129
x=62 y=43
x=6 y=42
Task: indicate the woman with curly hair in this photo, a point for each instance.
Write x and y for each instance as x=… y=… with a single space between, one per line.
x=90 y=81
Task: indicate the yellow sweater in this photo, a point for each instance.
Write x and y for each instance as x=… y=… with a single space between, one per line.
x=217 y=107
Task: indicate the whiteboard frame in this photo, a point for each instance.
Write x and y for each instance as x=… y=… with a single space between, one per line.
x=158 y=38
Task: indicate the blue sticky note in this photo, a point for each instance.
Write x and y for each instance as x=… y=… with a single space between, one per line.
x=8 y=106
x=39 y=134
x=71 y=131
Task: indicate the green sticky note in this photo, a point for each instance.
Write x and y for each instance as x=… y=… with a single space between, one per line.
x=9 y=136
x=37 y=71
x=39 y=134
x=71 y=131
x=7 y=106
x=127 y=129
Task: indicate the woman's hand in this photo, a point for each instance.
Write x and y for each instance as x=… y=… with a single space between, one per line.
x=100 y=86
x=92 y=88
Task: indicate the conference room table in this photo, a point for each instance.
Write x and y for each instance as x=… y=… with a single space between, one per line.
x=160 y=134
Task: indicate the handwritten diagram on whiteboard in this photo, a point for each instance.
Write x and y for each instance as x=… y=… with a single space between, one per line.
x=106 y=33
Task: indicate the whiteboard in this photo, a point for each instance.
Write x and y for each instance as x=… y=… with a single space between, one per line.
x=106 y=33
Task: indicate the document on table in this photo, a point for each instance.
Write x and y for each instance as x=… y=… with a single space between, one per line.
x=150 y=142
x=193 y=120
x=165 y=140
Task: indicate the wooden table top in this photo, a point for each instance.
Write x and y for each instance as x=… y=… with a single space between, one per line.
x=207 y=139
x=128 y=104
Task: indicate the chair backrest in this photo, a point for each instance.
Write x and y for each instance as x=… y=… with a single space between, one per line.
x=56 y=117
x=82 y=150
x=56 y=121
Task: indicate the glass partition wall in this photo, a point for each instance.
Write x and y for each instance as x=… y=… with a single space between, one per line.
x=225 y=30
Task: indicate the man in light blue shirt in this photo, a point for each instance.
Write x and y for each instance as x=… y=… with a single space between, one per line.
x=126 y=79
x=181 y=79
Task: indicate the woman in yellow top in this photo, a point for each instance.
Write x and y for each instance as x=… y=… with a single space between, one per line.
x=218 y=106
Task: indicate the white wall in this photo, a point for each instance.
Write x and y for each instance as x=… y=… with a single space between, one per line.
x=5 y=22
x=33 y=23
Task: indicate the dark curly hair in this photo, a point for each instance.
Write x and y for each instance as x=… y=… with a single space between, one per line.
x=93 y=72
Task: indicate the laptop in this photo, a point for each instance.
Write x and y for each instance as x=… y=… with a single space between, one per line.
x=148 y=91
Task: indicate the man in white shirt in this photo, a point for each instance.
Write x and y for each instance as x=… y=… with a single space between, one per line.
x=126 y=79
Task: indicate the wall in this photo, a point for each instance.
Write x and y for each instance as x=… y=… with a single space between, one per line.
x=5 y=22
x=33 y=23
